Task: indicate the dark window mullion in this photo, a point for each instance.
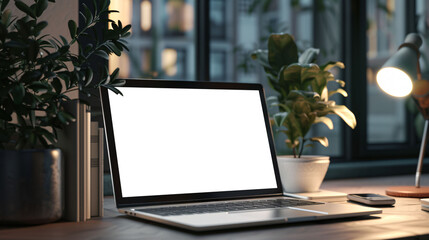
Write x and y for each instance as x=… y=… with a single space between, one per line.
x=354 y=38
x=202 y=35
x=411 y=26
x=411 y=17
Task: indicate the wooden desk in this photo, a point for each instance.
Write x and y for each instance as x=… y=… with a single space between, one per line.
x=405 y=220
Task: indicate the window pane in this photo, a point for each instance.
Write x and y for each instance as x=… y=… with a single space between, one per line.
x=422 y=13
x=386 y=31
x=328 y=38
x=239 y=27
x=162 y=41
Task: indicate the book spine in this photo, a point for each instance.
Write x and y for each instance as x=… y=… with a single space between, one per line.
x=68 y=141
x=74 y=142
x=95 y=170
x=101 y=172
x=88 y=163
x=82 y=162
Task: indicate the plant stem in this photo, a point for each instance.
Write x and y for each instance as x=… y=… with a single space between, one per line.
x=96 y=49
x=76 y=37
x=302 y=147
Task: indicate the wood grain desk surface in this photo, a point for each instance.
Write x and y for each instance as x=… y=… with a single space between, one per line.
x=405 y=221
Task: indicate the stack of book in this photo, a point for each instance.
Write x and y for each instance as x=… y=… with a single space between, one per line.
x=97 y=164
x=82 y=143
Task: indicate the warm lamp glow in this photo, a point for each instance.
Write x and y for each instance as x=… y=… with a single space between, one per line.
x=394 y=81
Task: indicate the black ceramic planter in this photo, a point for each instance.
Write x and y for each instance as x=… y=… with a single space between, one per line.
x=31 y=190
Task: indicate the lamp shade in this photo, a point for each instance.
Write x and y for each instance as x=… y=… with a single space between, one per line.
x=397 y=75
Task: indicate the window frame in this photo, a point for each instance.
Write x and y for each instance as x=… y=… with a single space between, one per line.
x=354 y=38
x=356 y=146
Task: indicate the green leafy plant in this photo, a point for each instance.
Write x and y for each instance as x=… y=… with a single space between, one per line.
x=302 y=85
x=37 y=71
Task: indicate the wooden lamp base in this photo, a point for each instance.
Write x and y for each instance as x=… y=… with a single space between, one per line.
x=408 y=191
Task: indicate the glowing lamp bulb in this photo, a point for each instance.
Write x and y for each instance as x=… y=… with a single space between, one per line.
x=394 y=82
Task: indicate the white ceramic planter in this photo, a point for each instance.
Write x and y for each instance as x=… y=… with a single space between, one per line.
x=303 y=174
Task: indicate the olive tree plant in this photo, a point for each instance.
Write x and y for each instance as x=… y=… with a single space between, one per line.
x=38 y=70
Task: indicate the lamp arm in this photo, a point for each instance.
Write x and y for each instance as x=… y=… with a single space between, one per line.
x=419 y=71
x=422 y=153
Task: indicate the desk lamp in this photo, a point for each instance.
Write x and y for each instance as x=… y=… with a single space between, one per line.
x=399 y=77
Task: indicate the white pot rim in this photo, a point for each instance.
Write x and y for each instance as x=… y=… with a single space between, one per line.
x=304 y=158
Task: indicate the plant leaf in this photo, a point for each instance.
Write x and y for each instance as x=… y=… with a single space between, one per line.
x=72 y=28
x=325 y=120
x=104 y=5
x=18 y=93
x=89 y=75
x=114 y=49
x=332 y=64
x=341 y=82
x=87 y=13
x=340 y=91
x=112 y=88
x=262 y=57
x=4 y=4
x=322 y=140
x=56 y=83
x=39 y=27
x=272 y=99
x=37 y=86
x=41 y=6
x=25 y=8
x=65 y=42
x=102 y=54
x=309 y=56
x=279 y=118
x=344 y=113
x=69 y=117
x=282 y=51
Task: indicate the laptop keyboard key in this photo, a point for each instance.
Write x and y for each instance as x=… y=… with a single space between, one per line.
x=227 y=207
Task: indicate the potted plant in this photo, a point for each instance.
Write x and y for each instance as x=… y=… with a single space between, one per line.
x=303 y=100
x=36 y=73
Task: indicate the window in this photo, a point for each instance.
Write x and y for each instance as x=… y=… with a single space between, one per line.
x=218 y=19
x=162 y=42
x=218 y=65
x=387 y=116
x=175 y=39
x=178 y=18
x=249 y=25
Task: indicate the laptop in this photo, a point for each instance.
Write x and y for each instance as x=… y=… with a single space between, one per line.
x=200 y=156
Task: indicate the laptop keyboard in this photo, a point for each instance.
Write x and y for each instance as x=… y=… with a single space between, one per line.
x=228 y=207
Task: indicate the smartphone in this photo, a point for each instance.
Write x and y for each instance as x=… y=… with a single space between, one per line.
x=371 y=199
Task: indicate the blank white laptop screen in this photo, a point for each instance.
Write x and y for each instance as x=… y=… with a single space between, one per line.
x=180 y=141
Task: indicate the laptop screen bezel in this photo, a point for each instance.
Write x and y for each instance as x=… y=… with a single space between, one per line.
x=182 y=198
